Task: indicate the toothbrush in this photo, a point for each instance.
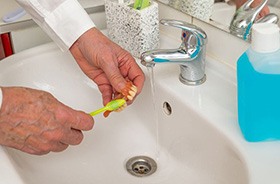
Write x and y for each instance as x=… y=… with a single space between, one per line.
x=111 y=106
x=140 y=4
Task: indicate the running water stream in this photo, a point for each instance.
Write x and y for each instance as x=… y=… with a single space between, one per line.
x=155 y=114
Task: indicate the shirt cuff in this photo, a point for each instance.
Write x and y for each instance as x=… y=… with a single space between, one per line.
x=67 y=23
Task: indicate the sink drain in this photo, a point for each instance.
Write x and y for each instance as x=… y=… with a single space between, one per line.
x=141 y=166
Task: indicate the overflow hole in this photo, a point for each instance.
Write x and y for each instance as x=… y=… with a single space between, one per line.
x=167 y=108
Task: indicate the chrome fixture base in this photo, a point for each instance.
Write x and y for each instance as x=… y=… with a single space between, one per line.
x=192 y=83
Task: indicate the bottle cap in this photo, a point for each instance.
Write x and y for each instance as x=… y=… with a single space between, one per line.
x=265 y=37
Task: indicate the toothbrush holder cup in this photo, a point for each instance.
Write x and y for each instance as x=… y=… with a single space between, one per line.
x=134 y=30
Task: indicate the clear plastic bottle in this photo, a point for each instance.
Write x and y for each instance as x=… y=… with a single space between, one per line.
x=258 y=83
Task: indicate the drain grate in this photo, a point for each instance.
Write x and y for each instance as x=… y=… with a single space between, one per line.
x=141 y=166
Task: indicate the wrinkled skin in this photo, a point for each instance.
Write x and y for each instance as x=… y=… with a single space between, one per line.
x=107 y=64
x=35 y=122
x=263 y=12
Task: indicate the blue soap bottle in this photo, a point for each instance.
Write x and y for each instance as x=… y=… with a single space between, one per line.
x=258 y=85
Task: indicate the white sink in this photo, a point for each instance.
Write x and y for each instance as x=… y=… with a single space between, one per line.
x=199 y=142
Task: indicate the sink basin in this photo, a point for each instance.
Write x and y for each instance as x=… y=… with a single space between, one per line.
x=190 y=131
x=185 y=146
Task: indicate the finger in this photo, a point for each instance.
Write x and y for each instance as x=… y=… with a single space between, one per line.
x=38 y=145
x=107 y=92
x=264 y=11
x=138 y=80
x=34 y=152
x=54 y=137
x=79 y=120
x=113 y=73
x=134 y=73
x=72 y=137
x=59 y=146
x=55 y=147
x=29 y=150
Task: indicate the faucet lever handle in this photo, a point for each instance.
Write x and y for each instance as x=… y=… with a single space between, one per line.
x=187 y=27
x=244 y=18
x=247 y=6
x=269 y=18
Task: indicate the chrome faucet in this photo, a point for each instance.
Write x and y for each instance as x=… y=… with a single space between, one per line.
x=190 y=55
x=245 y=16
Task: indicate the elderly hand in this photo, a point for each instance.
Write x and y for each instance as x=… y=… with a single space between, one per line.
x=263 y=12
x=107 y=64
x=35 y=122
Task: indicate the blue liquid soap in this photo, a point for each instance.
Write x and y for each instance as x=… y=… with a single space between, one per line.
x=258 y=85
x=259 y=100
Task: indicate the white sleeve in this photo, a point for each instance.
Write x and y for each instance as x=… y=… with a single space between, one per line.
x=63 y=20
x=1 y=97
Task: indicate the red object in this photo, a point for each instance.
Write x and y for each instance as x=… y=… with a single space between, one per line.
x=7 y=45
x=2 y=53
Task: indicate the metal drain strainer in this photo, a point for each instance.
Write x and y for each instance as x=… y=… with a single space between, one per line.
x=141 y=166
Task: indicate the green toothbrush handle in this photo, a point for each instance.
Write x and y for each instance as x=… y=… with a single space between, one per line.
x=111 y=106
x=98 y=111
x=140 y=4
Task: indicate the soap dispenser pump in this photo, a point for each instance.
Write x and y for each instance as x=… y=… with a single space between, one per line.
x=258 y=85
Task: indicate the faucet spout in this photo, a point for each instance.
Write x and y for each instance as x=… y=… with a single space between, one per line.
x=178 y=56
x=191 y=61
x=190 y=55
